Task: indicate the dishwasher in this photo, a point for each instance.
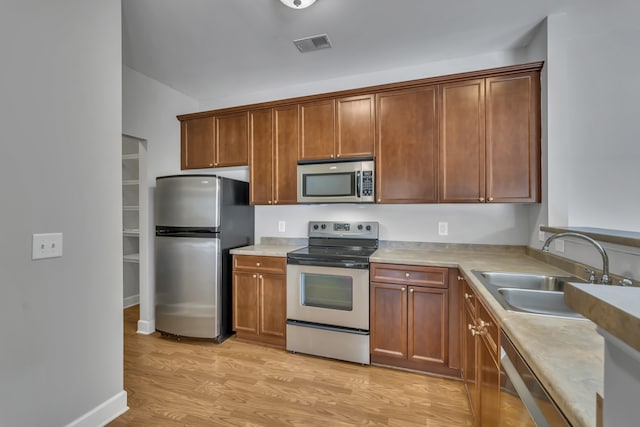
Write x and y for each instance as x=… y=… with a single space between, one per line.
x=521 y=385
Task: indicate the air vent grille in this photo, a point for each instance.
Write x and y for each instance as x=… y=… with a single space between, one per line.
x=309 y=44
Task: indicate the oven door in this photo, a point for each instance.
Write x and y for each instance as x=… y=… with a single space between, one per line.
x=333 y=296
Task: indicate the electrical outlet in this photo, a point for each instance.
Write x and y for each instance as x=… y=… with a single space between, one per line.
x=443 y=228
x=46 y=245
x=560 y=245
x=282 y=226
x=541 y=236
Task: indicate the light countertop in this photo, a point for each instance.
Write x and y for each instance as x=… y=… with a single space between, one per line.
x=565 y=354
x=615 y=309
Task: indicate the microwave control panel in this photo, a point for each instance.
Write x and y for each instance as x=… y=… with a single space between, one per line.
x=367 y=183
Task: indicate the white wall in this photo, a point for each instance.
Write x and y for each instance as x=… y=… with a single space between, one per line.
x=487 y=224
x=60 y=115
x=589 y=123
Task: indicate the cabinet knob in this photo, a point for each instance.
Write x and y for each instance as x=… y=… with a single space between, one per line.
x=379 y=200
x=255 y=275
x=257 y=264
x=210 y=164
x=481 y=199
x=275 y=202
x=459 y=277
x=483 y=324
x=491 y=199
x=411 y=290
x=403 y=289
x=332 y=156
x=269 y=202
x=260 y=276
x=338 y=155
x=467 y=296
x=470 y=327
x=407 y=274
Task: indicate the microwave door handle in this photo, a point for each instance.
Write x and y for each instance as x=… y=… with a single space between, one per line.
x=358 y=183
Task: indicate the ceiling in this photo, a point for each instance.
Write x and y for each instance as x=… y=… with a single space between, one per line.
x=215 y=48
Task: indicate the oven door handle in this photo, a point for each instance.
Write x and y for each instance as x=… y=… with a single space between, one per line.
x=338 y=264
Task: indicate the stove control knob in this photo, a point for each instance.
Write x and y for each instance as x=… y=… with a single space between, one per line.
x=360 y=227
x=368 y=228
x=315 y=226
x=323 y=226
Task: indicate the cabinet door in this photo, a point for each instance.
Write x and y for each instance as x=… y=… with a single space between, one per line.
x=513 y=138
x=469 y=359
x=462 y=142
x=428 y=325
x=273 y=306
x=197 y=146
x=489 y=382
x=286 y=155
x=355 y=126
x=406 y=146
x=317 y=130
x=245 y=302
x=260 y=157
x=388 y=325
x=232 y=139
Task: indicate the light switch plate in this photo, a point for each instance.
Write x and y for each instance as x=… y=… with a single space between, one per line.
x=46 y=245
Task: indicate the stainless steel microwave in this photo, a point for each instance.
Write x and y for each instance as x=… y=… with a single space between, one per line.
x=349 y=181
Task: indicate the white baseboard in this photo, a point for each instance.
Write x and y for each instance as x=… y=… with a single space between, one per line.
x=131 y=301
x=103 y=413
x=146 y=327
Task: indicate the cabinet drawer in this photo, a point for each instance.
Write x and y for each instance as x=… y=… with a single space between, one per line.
x=469 y=297
x=266 y=264
x=489 y=330
x=433 y=277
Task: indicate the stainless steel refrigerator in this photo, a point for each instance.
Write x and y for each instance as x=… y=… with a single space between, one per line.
x=199 y=218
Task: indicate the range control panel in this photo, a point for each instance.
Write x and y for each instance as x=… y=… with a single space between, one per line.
x=349 y=230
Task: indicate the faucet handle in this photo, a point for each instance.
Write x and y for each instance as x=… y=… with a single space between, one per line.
x=592 y=275
x=625 y=282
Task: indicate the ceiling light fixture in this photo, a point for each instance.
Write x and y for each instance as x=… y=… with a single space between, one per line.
x=297 y=4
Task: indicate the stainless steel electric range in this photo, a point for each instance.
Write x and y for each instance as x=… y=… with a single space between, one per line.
x=328 y=291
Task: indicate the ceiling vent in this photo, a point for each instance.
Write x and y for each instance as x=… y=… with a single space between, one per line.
x=309 y=44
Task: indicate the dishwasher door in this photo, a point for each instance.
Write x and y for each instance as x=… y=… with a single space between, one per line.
x=524 y=401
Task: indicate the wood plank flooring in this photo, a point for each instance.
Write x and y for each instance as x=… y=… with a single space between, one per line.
x=192 y=383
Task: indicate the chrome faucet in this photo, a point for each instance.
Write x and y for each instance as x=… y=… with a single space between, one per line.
x=605 y=259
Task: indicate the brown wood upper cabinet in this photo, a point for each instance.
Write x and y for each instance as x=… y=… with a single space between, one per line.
x=216 y=141
x=337 y=128
x=490 y=139
x=273 y=140
x=407 y=146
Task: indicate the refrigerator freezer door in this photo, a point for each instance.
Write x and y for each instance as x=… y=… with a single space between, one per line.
x=188 y=201
x=188 y=286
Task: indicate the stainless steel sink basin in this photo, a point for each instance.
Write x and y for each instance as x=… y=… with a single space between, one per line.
x=529 y=293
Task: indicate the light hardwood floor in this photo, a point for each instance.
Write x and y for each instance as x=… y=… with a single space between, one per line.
x=193 y=383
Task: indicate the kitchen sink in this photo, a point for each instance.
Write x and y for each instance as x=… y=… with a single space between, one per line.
x=530 y=293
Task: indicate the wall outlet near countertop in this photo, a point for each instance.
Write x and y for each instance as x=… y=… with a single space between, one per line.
x=541 y=236
x=443 y=228
x=282 y=226
x=559 y=245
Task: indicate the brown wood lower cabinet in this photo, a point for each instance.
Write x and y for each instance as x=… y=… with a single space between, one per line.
x=481 y=370
x=259 y=299
x=410 y=318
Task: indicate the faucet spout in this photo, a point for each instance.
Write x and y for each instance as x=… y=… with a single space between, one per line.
x=605 y=258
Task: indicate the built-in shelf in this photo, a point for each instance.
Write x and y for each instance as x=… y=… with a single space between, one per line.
x=135 y=258
x=619 y=237
x=130 y=182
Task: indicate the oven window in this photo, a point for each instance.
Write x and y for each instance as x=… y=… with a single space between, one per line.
x=329 y=184
x=326 y=291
